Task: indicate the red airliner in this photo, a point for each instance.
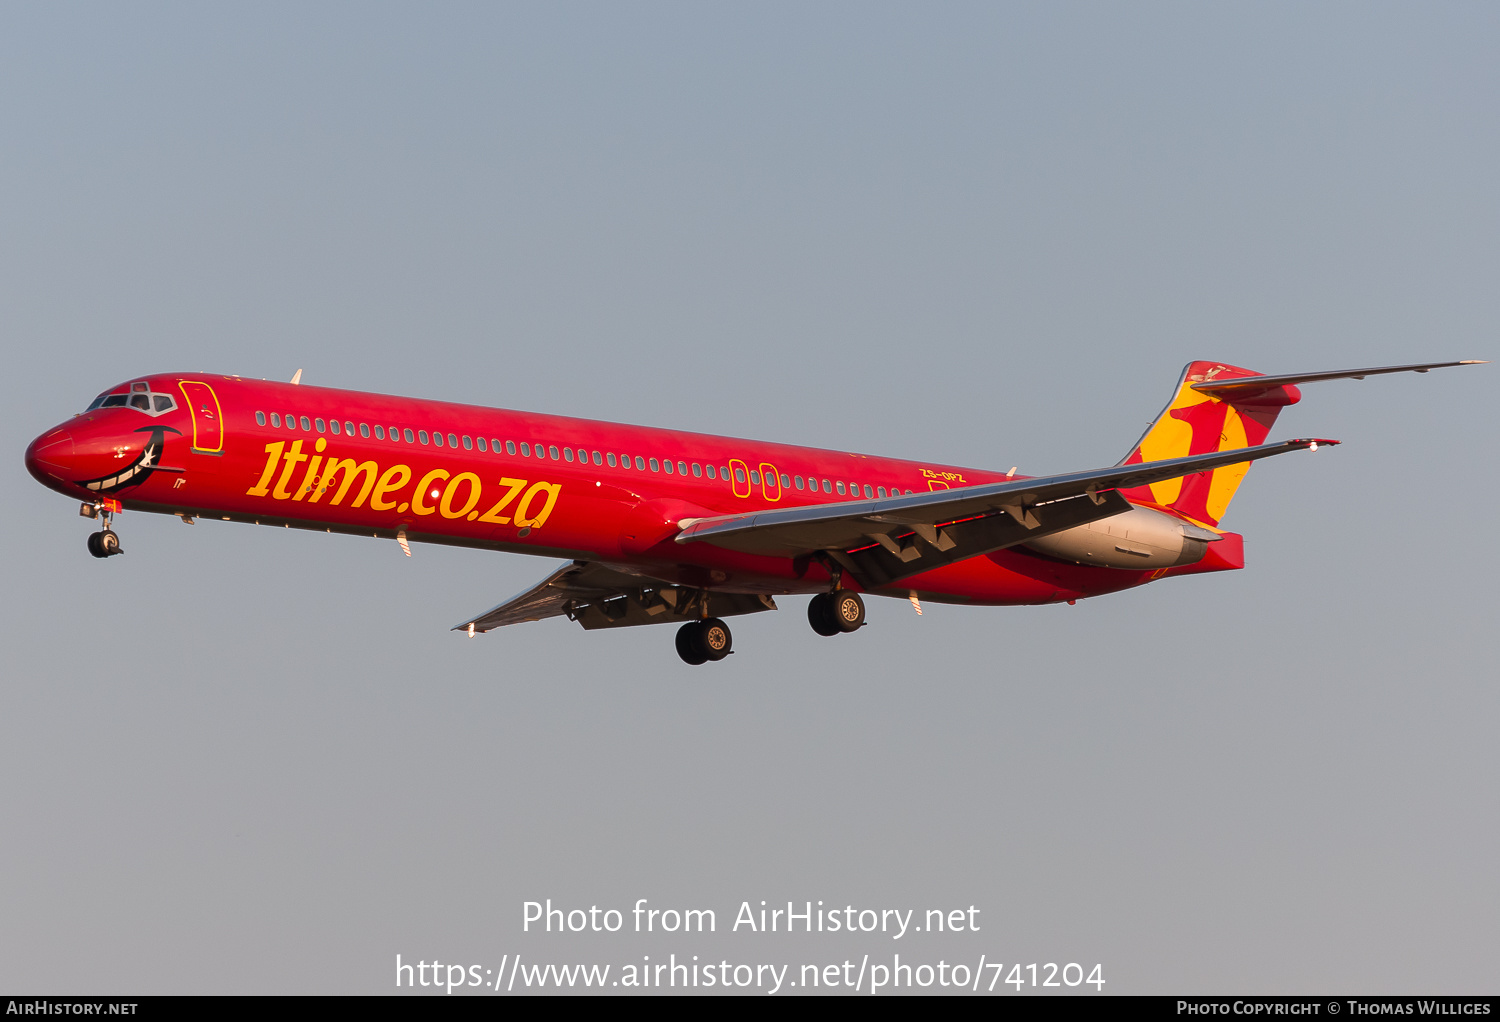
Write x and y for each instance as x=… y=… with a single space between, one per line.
x=659 y=525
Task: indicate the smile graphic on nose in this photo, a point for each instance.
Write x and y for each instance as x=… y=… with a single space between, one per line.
x=139 y=470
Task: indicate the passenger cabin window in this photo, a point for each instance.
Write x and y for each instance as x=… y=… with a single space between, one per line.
x=469 y=444
x=348 y=427
x=640 y=463
x=334 y=427
x=711 y=473
x=320 y=424
x=568 y=453
x=667 y=467
x=553 y=451
x=410 y=436
x=598 y=458
x=260 y=418
x=452 y=439
x=510 y=447
x=276 y=420
x=364 y=429
x=655 y=465
x=421 y=436
x=525 y=449
x=305 y=423
x=611 y=459
x=437 y=439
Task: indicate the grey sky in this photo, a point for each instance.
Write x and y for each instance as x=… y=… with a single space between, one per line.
x=243 y=760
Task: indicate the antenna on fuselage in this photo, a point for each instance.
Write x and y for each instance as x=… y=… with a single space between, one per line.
x=297 y=377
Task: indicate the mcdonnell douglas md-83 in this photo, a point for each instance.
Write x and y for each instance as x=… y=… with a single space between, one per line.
x=659 y=525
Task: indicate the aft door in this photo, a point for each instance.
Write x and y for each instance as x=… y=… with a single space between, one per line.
x=208 y=424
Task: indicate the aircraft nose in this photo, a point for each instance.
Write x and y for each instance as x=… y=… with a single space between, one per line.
x=50 y=456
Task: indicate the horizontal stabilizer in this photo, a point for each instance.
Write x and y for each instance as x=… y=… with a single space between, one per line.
x=1248 y=385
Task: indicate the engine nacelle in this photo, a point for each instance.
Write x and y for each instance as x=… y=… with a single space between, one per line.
x=1138 y=538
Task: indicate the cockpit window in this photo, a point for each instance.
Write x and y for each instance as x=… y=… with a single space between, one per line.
x=138 y=397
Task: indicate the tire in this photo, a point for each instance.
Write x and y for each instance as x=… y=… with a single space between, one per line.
x=109 y=543
x=848 y=610
x=714 y=639
x=820 y=615
x=94 y=547
x=688 y=645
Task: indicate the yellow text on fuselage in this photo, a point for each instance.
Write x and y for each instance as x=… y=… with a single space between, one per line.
x=521 y=502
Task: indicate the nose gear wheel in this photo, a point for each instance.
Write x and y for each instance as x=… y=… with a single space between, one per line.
x=104 y=544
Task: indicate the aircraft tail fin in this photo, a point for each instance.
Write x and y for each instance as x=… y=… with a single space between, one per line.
x=1198 y=421
x=1218 y=407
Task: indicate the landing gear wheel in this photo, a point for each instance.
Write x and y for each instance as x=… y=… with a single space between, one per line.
x=848 y=610
x=688 y=646
x=104 y=544
x=698 y=642
x=820 y=615
x=714 y=637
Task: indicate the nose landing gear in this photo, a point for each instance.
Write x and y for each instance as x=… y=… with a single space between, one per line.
x=104 y=543
x=698 y=642
x=835 y=612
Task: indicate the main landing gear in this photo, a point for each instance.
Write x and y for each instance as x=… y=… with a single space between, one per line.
x=839 y=611
x=103 y=543
x=698 y=642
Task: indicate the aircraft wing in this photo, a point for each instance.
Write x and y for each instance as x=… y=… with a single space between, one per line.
x=600 y=596
x=882 y=541
x=574 y=582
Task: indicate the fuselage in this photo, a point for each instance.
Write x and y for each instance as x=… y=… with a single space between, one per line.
x=298 y=456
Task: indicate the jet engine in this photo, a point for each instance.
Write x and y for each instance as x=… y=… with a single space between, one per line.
x=1138 y=538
